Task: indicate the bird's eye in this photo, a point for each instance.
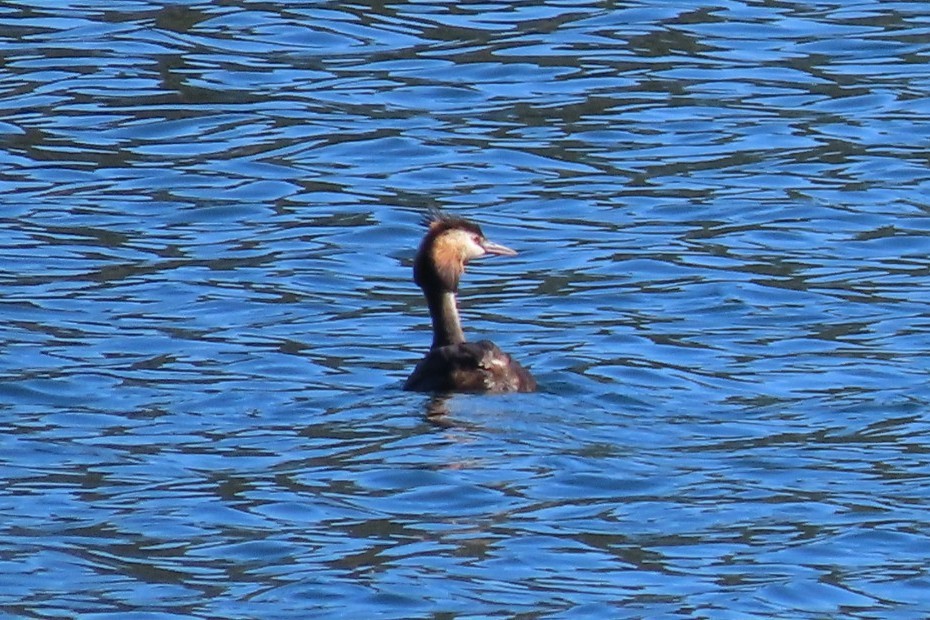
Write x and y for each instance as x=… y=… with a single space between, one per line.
x=476 y=239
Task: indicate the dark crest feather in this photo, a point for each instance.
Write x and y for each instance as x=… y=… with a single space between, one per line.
x=438 y=221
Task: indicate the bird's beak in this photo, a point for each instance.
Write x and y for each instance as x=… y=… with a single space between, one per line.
x=495 y=248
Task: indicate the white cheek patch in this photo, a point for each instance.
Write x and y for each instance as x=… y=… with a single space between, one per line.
x=465 y=241
x=473 y=250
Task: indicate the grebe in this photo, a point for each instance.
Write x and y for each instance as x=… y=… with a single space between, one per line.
x=453 y=365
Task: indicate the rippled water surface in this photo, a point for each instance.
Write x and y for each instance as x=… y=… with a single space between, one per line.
x=209 y=211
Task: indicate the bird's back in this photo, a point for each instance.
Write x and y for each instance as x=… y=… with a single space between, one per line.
x=469 y=367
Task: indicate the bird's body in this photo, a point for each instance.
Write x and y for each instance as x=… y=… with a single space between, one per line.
x=452 y=364
x=469 y=367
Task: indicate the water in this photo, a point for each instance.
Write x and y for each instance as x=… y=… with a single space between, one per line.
x=208 y=216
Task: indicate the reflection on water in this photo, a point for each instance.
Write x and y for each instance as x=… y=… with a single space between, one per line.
x=209 y=214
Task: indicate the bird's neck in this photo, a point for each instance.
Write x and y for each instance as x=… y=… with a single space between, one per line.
x=444 y=312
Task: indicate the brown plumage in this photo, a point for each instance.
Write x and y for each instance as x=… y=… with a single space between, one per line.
x=452 y=364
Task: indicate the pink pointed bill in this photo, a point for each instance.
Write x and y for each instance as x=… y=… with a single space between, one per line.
x=495 y=248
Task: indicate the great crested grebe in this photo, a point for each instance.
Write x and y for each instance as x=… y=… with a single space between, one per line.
x=453 y=365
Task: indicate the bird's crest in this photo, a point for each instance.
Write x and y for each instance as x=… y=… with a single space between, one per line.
x=437 y=221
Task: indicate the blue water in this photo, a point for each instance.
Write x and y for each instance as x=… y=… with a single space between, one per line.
x=209 y=212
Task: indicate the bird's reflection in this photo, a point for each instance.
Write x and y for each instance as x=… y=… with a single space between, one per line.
x=436 y=411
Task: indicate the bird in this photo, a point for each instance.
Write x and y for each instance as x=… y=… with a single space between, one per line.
x=453 y=364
